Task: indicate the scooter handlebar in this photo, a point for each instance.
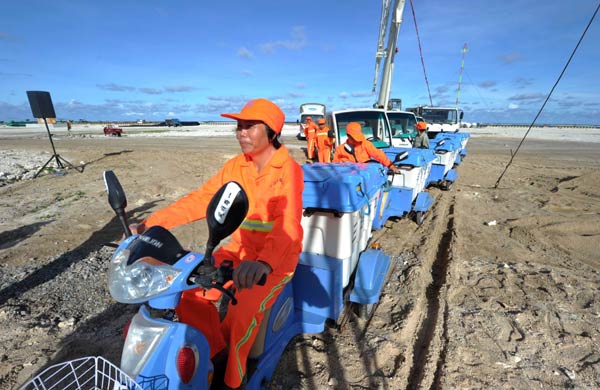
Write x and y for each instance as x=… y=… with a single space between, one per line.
x=227 y=269
x=208 y=276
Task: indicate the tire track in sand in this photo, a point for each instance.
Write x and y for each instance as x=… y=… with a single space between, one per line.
x=429 y=348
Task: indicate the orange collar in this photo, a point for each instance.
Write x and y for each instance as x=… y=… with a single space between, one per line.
x=279 y=158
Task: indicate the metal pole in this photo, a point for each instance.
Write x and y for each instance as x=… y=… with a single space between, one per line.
x=55 y=155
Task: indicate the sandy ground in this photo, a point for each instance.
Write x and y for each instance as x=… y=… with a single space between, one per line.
x=468 y=303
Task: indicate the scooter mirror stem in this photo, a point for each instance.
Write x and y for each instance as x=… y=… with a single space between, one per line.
x=123 y=220
x=208 y=253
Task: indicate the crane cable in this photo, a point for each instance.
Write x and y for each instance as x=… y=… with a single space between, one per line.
x=547 y=98
x=421 y=51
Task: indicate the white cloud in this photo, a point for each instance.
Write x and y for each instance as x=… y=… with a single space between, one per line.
x=179 y=88
x=245 y=53
x=509 y=58
x=297 y=42
x=513 y=106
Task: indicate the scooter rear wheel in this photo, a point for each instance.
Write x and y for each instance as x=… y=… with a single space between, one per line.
x=364 y=311
x=419 y=217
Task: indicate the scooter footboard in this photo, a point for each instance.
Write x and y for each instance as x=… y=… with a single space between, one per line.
x=324 y=298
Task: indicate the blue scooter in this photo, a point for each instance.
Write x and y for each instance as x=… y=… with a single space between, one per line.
x=161 y=351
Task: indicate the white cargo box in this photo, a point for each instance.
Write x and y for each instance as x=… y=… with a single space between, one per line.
x=340 y=202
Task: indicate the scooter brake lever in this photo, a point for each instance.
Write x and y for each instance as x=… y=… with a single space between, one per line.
x=204 y=276
x=262 y=280
x=226 y=292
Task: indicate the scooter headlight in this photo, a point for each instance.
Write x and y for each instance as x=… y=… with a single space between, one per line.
x=140 y=281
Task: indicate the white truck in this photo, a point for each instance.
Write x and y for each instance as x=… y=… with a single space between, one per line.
x=439 y=119
x=315 y=110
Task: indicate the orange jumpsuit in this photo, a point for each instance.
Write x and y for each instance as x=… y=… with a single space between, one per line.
x=324 y=144
x=271 y=233
x=363 y=152
x=310 y=130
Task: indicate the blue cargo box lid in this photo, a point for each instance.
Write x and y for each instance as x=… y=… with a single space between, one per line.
x=458 y=135
x=414 y=156
x=446 y=143
x=343 y=187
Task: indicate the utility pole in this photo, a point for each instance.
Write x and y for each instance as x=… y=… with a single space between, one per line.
x=462 y=65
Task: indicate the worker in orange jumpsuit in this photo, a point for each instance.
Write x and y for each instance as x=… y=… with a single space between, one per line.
x=269 y=241
x=324 y=142
x=310 y=131
x=360 y=149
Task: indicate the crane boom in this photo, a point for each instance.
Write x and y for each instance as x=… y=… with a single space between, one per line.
x=390 y=51
x=380 y=53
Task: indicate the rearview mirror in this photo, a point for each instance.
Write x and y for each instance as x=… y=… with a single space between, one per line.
x=117 y=199
x=225 y=213
x=116 y=195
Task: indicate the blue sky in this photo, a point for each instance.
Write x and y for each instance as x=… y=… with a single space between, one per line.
x=152 y=59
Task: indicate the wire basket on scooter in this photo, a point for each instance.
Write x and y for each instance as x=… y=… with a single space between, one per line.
x=88 y=373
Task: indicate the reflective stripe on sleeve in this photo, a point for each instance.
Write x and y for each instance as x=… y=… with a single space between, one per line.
x=257 y=225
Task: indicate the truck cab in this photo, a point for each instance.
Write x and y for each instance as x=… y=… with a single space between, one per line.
x=404 y=127
x=315 y=110
x=439 y=119
x=375 y=126
x=395 y=104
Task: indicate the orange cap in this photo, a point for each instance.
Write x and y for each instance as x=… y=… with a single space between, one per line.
x=321 y=121
x=421 y=126
x=354 y=130
x=261 y=110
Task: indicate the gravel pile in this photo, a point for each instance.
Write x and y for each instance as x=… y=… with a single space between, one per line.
x=61 y=304
x=61 y=293
x=19 y=165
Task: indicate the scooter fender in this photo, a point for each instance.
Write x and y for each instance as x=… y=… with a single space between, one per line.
x=452 y=175
x=160 y=369
x=423 y=202
x=458 y=160
x=436 y=174
x=371 y=271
